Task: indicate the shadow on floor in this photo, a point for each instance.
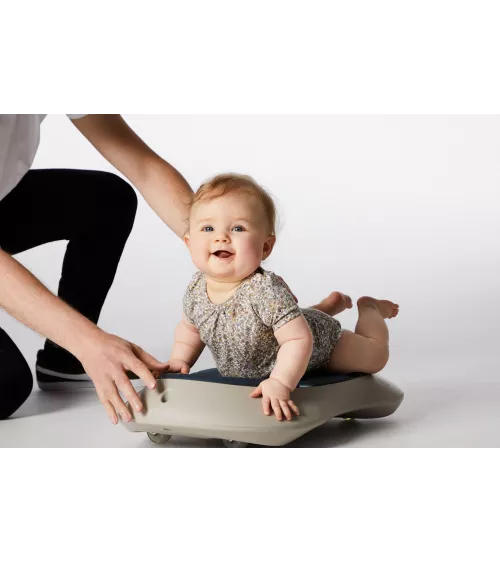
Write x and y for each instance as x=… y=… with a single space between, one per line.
x=334 y=433
x=46 y=402
x=337 y=433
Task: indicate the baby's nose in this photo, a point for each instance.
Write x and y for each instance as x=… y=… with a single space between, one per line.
x=222 y=237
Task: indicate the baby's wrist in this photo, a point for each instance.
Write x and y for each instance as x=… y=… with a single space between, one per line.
x=286 y=384
x=174 y=359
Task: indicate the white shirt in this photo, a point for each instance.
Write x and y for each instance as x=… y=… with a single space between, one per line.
x=19 y=139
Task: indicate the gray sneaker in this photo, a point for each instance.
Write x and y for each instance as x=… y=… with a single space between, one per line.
x=57 y=369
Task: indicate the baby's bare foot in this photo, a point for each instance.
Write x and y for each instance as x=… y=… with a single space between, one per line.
x=387 y=309
x=335 y=303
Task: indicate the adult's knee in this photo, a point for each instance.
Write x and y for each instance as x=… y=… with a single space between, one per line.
x=16 y=380
x=118 y=202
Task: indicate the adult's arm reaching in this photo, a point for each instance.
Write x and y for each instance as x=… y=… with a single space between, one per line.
x=105 y=357
x=162 y=186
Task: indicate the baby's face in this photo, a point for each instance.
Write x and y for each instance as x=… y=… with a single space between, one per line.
x=229 y=236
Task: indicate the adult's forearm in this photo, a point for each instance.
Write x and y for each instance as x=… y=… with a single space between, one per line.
x=166 y=192
x=31 y=303
x=162 y=186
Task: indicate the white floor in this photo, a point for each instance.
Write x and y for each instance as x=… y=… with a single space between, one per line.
x=456 y=412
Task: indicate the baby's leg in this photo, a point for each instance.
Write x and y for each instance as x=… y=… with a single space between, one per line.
x=334 y=304
x=367 y=349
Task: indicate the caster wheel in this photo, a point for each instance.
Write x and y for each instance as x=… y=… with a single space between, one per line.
x=159 y=438
x=234 y=444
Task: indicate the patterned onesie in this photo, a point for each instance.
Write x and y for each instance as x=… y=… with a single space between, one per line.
x=240 y=331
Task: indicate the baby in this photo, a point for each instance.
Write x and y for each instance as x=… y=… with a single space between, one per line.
x=248 y=317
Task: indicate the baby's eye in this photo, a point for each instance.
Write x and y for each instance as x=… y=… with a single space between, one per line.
x=207 y=229
x=238 y=229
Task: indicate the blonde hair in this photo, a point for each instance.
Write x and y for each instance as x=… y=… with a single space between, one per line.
x=230 y=183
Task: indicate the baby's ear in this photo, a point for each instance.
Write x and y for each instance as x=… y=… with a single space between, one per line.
x=186 y=239
x=268 y=247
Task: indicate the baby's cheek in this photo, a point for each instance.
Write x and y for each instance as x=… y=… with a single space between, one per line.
x=199 y=258
x=251 y=253
x=252 y=248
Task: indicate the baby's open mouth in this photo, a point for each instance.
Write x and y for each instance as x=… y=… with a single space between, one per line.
x=223 y=254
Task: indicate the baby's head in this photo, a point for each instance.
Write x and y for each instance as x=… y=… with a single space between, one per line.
x=231 y=227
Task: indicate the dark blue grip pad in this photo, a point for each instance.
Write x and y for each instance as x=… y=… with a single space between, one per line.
x=310 y=379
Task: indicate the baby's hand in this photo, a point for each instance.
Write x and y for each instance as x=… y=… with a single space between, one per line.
x=177 y=366
x=275 y=395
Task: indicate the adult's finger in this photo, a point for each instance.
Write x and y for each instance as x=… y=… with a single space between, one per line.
x=110 y=411
x=120 y=407
x=135 y=365
x=130 y=393
x=148 y=359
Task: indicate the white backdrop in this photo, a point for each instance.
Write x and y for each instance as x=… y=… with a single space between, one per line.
x=398 y=207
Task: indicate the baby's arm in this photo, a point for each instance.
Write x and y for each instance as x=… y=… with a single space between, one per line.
x=187 y=347
x=296 y=344
x=277 y=309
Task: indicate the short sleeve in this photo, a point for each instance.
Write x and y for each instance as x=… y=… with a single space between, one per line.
x=273 y=302
x=74 y=116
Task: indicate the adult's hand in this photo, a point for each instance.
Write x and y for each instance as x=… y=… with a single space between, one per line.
x=106 y=359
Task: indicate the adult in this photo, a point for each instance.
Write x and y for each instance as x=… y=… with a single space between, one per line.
x=95 y=212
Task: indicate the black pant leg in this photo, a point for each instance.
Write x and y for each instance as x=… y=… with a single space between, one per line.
x=16 y=381
x=94 y=211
